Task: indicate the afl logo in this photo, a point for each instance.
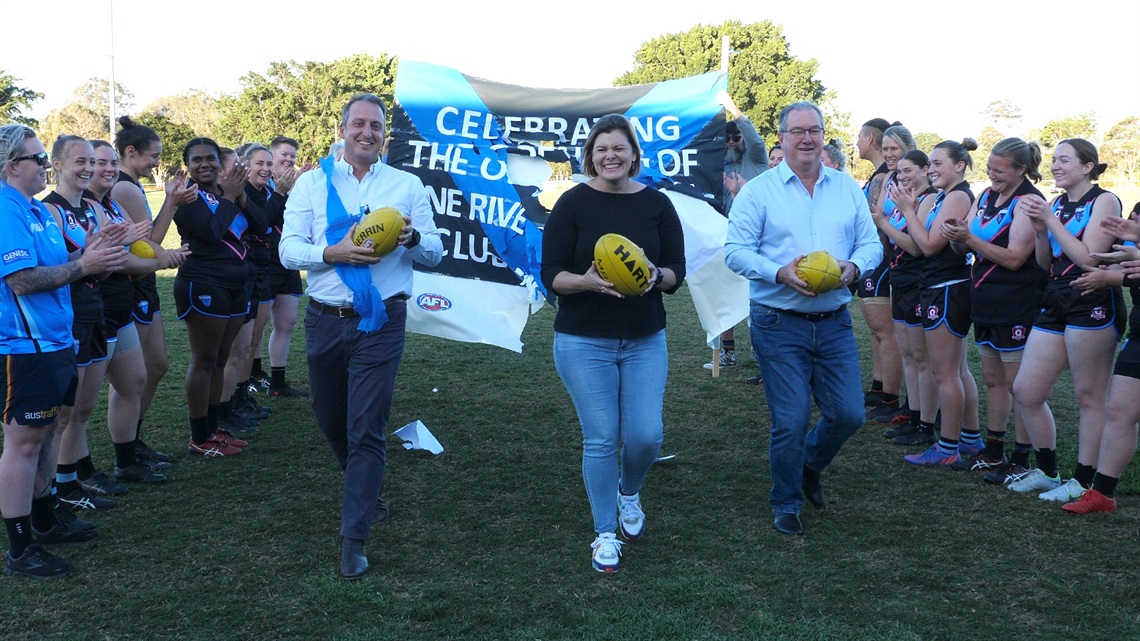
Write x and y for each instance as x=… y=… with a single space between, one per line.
x=433 y=302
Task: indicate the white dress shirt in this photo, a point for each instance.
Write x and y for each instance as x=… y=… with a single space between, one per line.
x=774 y=220
x=303 y=234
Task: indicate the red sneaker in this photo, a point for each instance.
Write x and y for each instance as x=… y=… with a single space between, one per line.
x=213 y=448
x=228 y=438
x=1091 y=501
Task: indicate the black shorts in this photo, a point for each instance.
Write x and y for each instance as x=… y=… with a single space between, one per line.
x=949 y=305
x=1128 y=361
x=1003 y=338
x=36 y=386
x=877 y=284
x=210 y=300
x=91 y=339
x=116 y=319
x=1064 y=307
x=284 y=281
x=146 y=299
x=905 y=306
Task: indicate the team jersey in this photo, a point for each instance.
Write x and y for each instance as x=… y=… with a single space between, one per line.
x=1001 y=296
x=260 y=238
x=78 y=220
x=124 y=178
x=118 y=290
x=880 y=170
x=905 y=267
x=1075 y=216
x=215 y=230
x=40 y=322
x=946 y=265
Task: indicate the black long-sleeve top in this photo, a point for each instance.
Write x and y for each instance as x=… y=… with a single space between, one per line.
x=581 y=216
x=213 y=228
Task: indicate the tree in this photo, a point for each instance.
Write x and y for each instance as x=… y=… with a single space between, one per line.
x=763 y=76
x=926 y=140
x=196 y=109
x=1003 y=114
x=75 y=119
x=14 y=99
x=302 y=100
x=174 y=136
x=1122 y=148
x=93 y=96
x=986 y=141
x=1058 y=129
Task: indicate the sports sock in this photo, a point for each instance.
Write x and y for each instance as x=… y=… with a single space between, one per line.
x=1047 y=461
x=124 y=454
x=200 y=429
x=876 y=386
x=212 y=419
x=890 y=399
x=1105 y=484
x=256 y=370
x=916 y=416
x=66 y=478
x=43 y=512
x=995 y=444
x=277 y=377
x=19 y=534
x=947 y=445
x=225 y=408
x=1021 y=454
x=84 y=468
x=1084 y=475
x=970 y=438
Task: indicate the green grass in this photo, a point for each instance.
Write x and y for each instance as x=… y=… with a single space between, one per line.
x=490 y=539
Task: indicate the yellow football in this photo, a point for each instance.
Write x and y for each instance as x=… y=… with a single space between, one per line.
x=621 y=262
x=142 y=249
x=379 y=230
x=820 y=271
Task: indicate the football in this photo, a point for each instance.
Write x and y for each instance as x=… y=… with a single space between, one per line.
x=820 y=271
x=379 y=230
x=621 y=262
x=142 y=249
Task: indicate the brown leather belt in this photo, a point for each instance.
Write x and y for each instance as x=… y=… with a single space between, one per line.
x=349 y=311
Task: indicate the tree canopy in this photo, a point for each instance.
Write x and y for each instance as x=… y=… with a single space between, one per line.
x=174 y=136
x=303 y=100
x=1058 y=129
x=196 y=109
x=763 y=76
x=1121 y=149
x=15 y=99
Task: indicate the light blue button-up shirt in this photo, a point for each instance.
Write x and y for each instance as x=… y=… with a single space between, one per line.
x=774 y=220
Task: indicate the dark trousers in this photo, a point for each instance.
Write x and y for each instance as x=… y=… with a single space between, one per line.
x=352 y=376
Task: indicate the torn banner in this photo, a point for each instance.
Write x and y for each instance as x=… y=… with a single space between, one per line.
x=484 y=152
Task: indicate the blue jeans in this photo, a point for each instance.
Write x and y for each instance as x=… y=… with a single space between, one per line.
x=799 y=360
x=618 y=387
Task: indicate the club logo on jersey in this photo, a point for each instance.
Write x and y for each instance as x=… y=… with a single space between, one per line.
x=15 y=255
x=932 y=312
x=869 y=285
x=1018 y=332
x=144 y=306
x=918 y=310
x=1099 y=313
x=433 y=302
x=205 y=299
x=72 y=223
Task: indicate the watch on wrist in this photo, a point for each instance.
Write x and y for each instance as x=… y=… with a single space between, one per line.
x=414 y=240
x=660 y=277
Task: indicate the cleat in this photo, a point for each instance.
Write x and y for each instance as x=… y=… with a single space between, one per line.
x=213 y=448
x=1006 y=474
x=1035 y=481
x=978 y=463
x=100 y=483
x=920 y=436
x=1091 y=501
x=933 y=456
x=139 y=473
x=150 y=454
x=81 y=500
x=37 y=563
x=287 y=392
x=1067 y=492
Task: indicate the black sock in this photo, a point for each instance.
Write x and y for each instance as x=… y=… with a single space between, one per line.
x=43 y=512
x=915 y=417
x=1106 y=485
x=66 y=478
x=200 y=429
x=1084 y=475
x=124 y=454
x=19 y=534
x=138 y=429
x=1047 y=461
x=225 y=408
x=995 y=444
x=890 y=399
x=85 y=468
x=876 y=386
x=212 y=419
x=925 y=427
x=277 y=377
x=256 y=371
x=1021 y=454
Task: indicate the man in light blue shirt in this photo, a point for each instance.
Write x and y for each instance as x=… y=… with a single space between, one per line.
x=804 y=341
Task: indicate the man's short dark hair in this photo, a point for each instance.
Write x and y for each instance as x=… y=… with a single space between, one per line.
x=364 y=97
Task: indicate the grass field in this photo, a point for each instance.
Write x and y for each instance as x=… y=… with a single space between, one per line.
x=490 y=539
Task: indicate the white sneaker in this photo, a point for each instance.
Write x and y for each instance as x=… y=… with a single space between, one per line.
x=1035 y=481
x=727 y=359
x=631 y=519
x=606 y=552
x=1067 y=492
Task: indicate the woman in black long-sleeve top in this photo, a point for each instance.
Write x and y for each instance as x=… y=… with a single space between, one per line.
x=210 y=289
x=609 y=349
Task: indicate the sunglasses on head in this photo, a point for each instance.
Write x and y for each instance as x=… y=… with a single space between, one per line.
x=733 y=137
x=40 y=158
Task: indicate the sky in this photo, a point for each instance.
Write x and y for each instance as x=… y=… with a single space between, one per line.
x=934 y=73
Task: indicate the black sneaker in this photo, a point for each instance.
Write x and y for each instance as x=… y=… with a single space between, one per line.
x=138 y=473
x=151 y=463
x=287 y=391
x=754 y=380
x=81 y=500
x=235 y=424
x=100 y=483
x=1006 y=474
x=37 y=563
x=979 y=463
x=920 y=436
x=906 y=429
x=250 y=406
x=873 y=399
x=67 y=529
x=257 y=384
x=147 y=452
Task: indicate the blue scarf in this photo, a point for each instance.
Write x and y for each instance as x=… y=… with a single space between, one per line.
x=365 y=298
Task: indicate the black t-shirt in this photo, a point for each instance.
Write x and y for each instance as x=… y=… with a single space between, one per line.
x=1002 y=296
x=947 y=265
x=215 y=230
x=581 y=216
x=86 y=300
